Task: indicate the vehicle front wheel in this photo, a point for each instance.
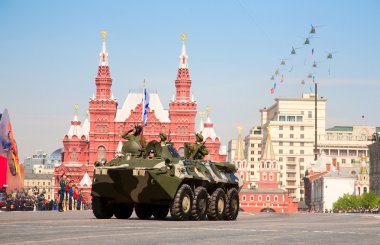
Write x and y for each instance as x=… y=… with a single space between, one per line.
x=123 y=210
x=217 y=205
x=232 y=204
x=101 y=208
x=182 y=203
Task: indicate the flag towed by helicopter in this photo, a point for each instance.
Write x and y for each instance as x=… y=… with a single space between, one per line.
x=287 y=64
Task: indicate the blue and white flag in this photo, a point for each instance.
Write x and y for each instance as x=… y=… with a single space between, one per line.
x=145 y=104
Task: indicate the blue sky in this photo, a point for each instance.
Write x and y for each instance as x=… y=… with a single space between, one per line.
x=50 y=53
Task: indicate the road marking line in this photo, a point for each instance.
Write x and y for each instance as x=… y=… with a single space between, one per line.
x=85 y=237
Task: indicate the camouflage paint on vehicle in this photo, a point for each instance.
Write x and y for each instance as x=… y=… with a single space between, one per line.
x=136 y=180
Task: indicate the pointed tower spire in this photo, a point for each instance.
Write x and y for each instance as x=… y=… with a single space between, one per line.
x=75 y=128
x=363 y=165
x=103 y=79
x=239 y=145
x=208 y=127
x=86 y=126
x=183 y=57
x=103 y=54
x=201 y=115
x=183 y=82
x=268 y=153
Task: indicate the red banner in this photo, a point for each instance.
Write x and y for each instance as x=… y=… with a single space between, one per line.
x=3 y=171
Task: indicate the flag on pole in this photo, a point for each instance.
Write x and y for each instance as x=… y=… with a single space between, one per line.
x=145 y=105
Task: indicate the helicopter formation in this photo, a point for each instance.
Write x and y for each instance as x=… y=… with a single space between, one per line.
x=279 y=76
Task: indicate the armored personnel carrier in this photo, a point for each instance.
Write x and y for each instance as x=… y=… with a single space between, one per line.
x=163 y=182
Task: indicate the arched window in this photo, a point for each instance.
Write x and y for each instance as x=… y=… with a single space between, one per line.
x=268 y=198
x=260 y=198
x=101 y=153
x=276 y=198
x=359 y=190
x=74 y=158
x=365 y=190
x=244 y=197
x=252 y=198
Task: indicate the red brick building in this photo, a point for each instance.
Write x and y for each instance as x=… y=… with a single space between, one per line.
x=99 y=137
x=267 y=195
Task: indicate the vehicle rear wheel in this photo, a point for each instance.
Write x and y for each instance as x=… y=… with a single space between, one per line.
x=182 y=203
x=160 y=211
x=123 y=210
x=200 y=204
x=217 y=205
x=143 y=211
x=101 y=208
x=232 y=204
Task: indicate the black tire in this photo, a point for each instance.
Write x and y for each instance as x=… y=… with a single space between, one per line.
x=232 y=204
x=160 y=211
x=217 y=205
x=200 y=204
x=123 y=210
x=143 y=211
x=182 y=203
x=101 y=208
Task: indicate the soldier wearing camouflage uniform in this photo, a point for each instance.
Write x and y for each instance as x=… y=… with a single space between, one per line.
x=198 y=150
x=135 y=135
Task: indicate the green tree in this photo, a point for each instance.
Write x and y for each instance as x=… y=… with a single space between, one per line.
x=369 y=200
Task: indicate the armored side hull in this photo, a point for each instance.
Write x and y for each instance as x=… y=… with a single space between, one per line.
x=154 y=185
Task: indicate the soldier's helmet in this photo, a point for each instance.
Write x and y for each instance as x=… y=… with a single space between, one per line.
x=199 y=137
x=163 y=137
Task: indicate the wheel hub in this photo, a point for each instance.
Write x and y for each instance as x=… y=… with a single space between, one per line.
x=186 y=203
x=220 y=206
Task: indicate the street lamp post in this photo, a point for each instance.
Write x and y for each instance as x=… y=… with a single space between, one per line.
x=316 y=116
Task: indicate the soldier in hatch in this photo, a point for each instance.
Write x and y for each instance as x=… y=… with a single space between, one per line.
x=163 y=138
x=198 y=150
x=135 y=134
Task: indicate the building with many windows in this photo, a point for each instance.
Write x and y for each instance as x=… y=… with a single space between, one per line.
x=292 y=122
x=39 y=183
x=43 y=159
x=347 y=144
x=292 y=130
x=267 y=195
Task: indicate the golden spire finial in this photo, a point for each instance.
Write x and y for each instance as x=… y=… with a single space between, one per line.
x=208 y=109
x=364 y=158
x=144 y=83
x=104 y=34
x=268 y=128
x=76 y=107
x=184 y=36
x=239 y=128
x=201 y=114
